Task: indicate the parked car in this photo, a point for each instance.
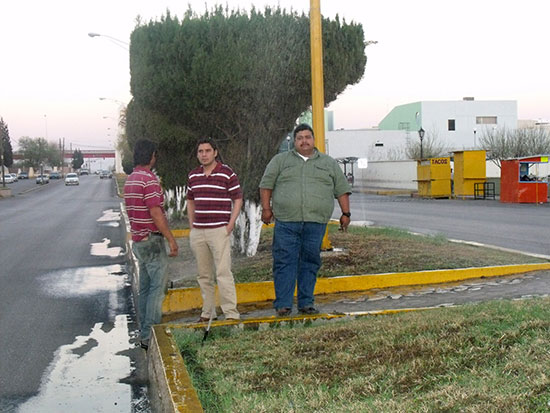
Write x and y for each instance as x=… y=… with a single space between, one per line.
x=15 y=179
x=7 y=178
x=55 y=175
x=72 y=179
x=42 y=179
x=23 y=175
x=105 y=174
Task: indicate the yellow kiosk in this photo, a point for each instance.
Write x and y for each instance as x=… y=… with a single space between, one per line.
x=469 y=172
x=434 y=177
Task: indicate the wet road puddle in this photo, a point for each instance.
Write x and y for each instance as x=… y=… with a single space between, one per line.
x=91 y=373
x=85 y=375
x=102 y=249
x=85 y=281
x=110 y=215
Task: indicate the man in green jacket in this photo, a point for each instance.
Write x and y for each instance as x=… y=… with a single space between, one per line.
x=297 y=190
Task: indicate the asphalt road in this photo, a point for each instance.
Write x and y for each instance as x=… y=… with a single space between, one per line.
x=521 y=227
x=66 y=319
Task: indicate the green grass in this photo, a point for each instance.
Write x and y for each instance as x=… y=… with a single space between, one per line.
x=490 y=357
x=380 y=250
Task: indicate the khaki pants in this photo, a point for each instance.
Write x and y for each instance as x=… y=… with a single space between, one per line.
x=212 y=251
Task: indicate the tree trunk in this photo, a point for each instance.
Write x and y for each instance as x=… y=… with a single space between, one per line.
x=248 y=228
x=176 y=202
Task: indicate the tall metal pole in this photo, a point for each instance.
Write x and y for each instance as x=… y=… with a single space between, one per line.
x=317 y=86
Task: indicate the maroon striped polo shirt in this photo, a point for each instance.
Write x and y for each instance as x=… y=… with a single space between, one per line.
x=213 y=195
x=142 y=192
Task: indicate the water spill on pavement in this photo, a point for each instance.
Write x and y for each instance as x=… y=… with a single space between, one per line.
x=85 y=375
x=97 y=372
x=73 y=282
x=109 y=215
x=102 y=249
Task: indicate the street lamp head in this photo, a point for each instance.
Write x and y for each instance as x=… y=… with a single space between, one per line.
x=94 y=34
x=421 y=133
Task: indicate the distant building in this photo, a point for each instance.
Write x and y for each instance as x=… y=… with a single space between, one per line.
x=458 y=124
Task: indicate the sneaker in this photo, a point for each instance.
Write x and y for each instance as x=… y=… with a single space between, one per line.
x=281 y=312
x=308 y=310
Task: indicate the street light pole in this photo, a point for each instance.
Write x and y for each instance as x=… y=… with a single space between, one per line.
x=475 y=143
x=421 y=133
x=120 y=43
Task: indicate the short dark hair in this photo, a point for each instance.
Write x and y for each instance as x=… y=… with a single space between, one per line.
x=212 y=143
x=143 y=151
x=301 y=127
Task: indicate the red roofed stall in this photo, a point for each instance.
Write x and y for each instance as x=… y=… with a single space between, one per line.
x=519 y=180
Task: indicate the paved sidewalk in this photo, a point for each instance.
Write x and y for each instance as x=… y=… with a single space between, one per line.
x=182 y=270
x=518 y=286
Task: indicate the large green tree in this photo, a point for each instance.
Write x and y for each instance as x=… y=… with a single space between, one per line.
x=37 y=151
x=240 y=78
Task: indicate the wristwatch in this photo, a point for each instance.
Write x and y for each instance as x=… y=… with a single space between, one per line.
x=346 y=214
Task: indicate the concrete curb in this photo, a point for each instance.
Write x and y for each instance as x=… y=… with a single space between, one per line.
x=170 y=386
x=184 y=299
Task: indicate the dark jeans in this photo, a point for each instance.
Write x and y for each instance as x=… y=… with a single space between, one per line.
x=296 y=258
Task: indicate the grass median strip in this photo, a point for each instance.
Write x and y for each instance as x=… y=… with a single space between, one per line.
x=478 y=358
x=373 y=250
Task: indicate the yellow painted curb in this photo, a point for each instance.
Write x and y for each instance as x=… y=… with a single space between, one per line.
x=171 y=389
x=180 y=233
x=183 y=299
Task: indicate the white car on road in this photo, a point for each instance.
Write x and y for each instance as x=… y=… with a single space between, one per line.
x=8 y=178
x=72 y=179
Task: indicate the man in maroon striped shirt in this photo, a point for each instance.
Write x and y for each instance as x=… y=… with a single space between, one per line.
x=144 y=201
x=214 y=201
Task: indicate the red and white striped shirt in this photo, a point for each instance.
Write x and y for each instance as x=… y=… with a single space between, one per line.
x=213 y=195
x=142 y=192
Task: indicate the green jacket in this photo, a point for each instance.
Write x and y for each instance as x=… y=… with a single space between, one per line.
x=304 y=191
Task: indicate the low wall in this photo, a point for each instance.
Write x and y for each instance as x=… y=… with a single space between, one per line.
x=387 y=174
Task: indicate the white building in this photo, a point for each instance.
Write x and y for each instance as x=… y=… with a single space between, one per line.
x=458 y=124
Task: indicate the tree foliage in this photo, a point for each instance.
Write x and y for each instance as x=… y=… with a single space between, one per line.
x=505 y=143
x=36 y=151
x=240 y=78
x=78 y=159
x=5 y=144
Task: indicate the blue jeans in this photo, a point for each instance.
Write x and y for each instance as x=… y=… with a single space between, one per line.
x=152 y=263
x=296 y=260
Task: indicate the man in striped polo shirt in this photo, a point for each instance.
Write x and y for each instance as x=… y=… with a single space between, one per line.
x=214 y=200
x=144 y=201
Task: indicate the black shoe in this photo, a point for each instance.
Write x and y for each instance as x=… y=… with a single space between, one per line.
x=308 y=310
x=281 y=312
x=144 y=344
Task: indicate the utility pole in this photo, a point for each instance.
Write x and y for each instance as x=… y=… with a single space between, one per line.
x=317 y=87
x=317 y=81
